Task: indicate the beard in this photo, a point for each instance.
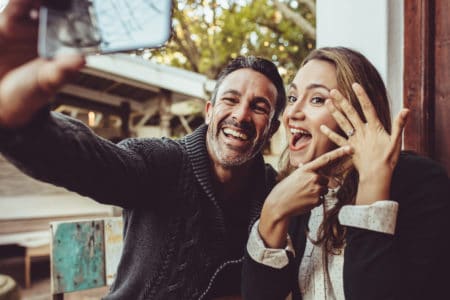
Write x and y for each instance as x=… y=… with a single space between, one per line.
x=229 y=156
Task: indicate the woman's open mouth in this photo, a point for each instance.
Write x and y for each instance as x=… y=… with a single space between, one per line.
x=300 y=138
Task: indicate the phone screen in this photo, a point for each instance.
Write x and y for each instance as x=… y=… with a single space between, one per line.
x=104 y=26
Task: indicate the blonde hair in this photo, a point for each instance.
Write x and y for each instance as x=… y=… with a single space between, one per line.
x=351 y=66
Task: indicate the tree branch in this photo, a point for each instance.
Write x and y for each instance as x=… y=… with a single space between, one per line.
x=269 y=25
x=310 y=4
x=192 y=56
x=298 y=19
x=185 y=42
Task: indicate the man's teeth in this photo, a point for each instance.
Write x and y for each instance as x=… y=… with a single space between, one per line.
x=235 y=134
x=297 y=131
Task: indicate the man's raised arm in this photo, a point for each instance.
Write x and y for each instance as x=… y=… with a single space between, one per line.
x=27 y=82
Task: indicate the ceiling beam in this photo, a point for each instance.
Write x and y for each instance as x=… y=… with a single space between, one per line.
x=99 y=96
x=149 y=74
x=76 y=101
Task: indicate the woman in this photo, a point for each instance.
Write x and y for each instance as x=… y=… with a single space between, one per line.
x=371 y=225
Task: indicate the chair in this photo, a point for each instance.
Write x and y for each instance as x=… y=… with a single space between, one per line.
x=84 y=254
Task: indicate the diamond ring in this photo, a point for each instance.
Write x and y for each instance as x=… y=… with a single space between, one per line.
x=350 y=132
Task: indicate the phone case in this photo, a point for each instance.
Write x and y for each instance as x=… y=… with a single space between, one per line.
x=104 y=26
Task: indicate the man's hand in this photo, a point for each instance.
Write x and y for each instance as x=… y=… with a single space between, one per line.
x=27 y=82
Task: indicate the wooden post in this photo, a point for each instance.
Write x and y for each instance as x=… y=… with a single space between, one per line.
x=165 y=113
x=125 y=110
x=418 y=76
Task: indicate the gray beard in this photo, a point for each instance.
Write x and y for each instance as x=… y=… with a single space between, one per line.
x=235 y=161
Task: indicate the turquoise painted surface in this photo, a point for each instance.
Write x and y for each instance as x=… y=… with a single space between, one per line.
x=78 y=256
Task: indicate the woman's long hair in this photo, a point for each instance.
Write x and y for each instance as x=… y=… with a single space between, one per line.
x=351 y=66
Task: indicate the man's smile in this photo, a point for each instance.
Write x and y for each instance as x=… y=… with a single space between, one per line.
x=229 y=132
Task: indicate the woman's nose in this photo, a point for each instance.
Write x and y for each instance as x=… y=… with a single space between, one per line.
x=295 y=111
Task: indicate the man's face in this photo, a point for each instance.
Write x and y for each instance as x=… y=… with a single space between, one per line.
x=239 y=124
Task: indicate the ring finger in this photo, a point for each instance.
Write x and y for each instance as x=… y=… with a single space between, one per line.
x=342 y=121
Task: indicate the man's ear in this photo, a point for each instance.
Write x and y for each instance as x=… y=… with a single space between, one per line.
x=274 y=127
x=208 y=112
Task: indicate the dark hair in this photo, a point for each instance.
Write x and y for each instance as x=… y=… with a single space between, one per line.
x=261 y=65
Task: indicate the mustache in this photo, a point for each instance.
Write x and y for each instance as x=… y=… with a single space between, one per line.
x=247 y=127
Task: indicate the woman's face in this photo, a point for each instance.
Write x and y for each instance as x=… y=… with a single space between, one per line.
x=306 y=111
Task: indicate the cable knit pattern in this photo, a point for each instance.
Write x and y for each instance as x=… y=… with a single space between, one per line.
x=174 y=227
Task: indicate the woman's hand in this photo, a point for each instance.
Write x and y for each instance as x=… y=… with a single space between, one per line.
x=376 y=151
x=27 y=82
x=297 y=194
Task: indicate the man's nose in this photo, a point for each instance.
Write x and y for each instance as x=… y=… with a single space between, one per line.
x=242 y=113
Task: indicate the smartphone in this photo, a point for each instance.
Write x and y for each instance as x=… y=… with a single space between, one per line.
x=103 y=26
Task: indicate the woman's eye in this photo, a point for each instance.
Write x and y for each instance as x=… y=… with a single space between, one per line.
x=317 y=100
x=292 y=99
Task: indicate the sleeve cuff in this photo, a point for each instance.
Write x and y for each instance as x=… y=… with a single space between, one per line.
x=275 y=258
x=380 y=216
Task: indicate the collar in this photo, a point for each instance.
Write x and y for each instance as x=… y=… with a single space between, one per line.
x=196 y=148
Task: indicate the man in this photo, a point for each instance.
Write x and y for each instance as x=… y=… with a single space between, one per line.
x=188 y=204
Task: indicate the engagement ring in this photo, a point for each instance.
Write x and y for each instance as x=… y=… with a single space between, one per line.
x=351 y=132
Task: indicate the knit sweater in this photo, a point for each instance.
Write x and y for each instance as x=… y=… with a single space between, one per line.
x=179 y=242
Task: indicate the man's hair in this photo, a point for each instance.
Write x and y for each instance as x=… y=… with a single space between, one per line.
x=261 y=65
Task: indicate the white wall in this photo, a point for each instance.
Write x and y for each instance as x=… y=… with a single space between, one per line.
x=373 y=27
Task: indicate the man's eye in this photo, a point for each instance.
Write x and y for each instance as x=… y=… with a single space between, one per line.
x=260 y=108
x=229 y=100
x=292 y=99
x=317 y=100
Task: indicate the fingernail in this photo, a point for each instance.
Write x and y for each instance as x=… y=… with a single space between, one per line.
x=348 y=149
x=329 y=103
x=333 y=93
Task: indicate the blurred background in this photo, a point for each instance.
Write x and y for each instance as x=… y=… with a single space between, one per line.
x=162 y=92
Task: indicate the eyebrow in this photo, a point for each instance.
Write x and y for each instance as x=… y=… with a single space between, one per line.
x=230 y=91
x=257 y=98
x=311 y=86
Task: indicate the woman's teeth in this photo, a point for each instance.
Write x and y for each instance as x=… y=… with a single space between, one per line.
x=299 y=131
x=299 y=136
x=236 y=134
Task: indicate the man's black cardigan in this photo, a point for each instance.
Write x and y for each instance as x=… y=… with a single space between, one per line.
x=176 y=236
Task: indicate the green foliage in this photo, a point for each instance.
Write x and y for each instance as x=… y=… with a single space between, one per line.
x=208 y=33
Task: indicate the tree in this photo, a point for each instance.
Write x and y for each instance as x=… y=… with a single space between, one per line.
x=208 y=33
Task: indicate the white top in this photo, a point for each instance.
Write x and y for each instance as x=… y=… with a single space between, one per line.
x=380 y=216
